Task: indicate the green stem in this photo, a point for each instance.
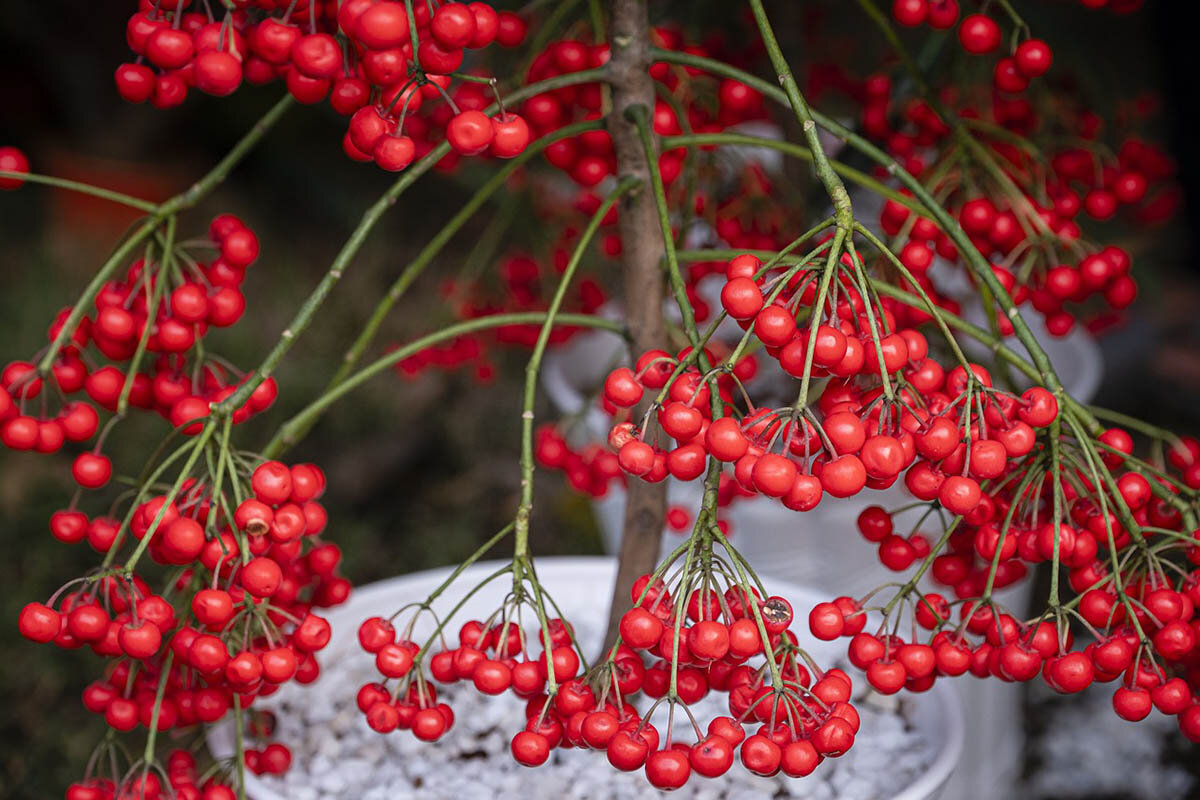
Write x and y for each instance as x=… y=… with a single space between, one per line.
x=178 y=203
x=435 y=245
x=639 y=116
x=80 y=308
x=843 y=211
x=521 y=538
x=932 y=309
x=962 y=135
x=197 y=448
x=797 y=151
x=975 y=261
x=218 y=173
x=151 y=317
x=1145 y=428
x=83 y=188
x=289 y=433
x=350 y=249
x=148 y=754
x=831 y=266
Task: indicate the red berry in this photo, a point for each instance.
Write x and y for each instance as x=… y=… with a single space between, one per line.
x=217 y=73
x=530 y=749
x=91 y=470
x=39 y=622
x=510 y=134
x=979 y=34
x=135 y=83
x=470 y=132
x=1033 y=58
x=453 y=25
x=668 y=769
x=394 y=153
x=382 y=26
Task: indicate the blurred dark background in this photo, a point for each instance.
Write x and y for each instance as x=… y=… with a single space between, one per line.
x=419 y=471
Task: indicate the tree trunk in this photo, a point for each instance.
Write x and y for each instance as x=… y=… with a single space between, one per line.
x=642 y=253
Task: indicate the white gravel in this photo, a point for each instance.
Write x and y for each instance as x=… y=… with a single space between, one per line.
x=1087 y=751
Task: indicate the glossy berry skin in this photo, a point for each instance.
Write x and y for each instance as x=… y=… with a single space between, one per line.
x=760 y=755
x=626 y=751
x=668 y=769
x=510 y=135
x=453 y=25
x=470 y=132
x=317 y=55
x=621 y=388
x=742 y=298
x=910 y=13
x=272 y=483
x=38 y=622
x=979 y=34
x=825 y=621
x=135 y=83
x=383 y=25
x=530 y=749
x=1033 y=58
x=640 y=629
x=712 y=756
x=217 y=73
x=91 y=470
x=12 y=160
x=394 y=153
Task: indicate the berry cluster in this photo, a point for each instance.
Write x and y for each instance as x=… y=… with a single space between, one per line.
x=702 y=103
x=1144 y=629
x=1018 y=476
x=866 y=436
x=161 y=308
x=358 y=55
x=699 y=641
x=235 y=623
x=181 y=778
x=1023 y=197
x=1158 y=673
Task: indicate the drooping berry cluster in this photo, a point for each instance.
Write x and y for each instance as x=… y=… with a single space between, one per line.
x=866 y=437
x=159 y=310
x=359 y=55
x=234 y=624
x=1143 y=628
x=1025 y=196
x=702 y=641
x=183 y=782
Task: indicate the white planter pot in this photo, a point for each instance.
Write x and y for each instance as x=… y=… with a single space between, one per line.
x=576 y=583
x=822 y=548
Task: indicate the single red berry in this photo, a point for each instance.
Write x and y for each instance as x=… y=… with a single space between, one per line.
x=1033 y=58
x=135 y=83
x=39 y=622
x=217 y=73
x=530 y=749
x=470 y=132
x=668 y=769
x=453 y=25
x=91 y=470
x=979 y=34
x=910 y=12
x=510 y=134
x=394 y=153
